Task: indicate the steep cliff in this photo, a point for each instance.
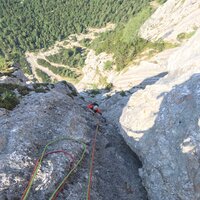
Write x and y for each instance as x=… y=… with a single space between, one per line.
x=55 y=113
x=172 y=19
x=161 y=124
x=155 y=106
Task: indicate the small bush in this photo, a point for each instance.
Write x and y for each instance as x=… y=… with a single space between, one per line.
x=4 y=65
x=85 y=42
x=109 y=86
x=95 y=92
x=184 y=36
x=8 y=100
x=42 y=87
x=40 y=90
x=74 y=38
x=108 y=65
x=161 y=1
x=23 y=90
x=65 y=42
x=122 y=93
x=45 y=78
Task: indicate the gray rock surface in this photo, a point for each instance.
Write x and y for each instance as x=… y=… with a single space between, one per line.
x=57 y=113
x=161 y=124
x=171 y=19
x=94 y=73
x=16 y=76
x=169 y=148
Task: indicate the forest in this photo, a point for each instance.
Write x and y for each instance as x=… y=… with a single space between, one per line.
x=125 y=43
x=62 y=71
x=30 y=25
x=74 y=57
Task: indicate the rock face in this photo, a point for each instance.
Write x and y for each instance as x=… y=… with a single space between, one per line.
x=94 y=72
x=171 y=19
x=57 y=114
x=161 y=124
x=16 y=76
x=39 y=119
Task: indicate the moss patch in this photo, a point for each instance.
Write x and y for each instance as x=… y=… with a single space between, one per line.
x=185 y=36
x=10 y=94
x=8 y=100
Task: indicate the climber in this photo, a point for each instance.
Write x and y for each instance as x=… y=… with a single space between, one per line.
x=94 y=107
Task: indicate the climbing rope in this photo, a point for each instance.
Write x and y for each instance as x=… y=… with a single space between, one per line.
x=38 y=164
x=92 y=162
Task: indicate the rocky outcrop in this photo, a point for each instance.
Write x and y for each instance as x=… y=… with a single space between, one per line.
x=160 y=114
x=161 y=124
x=13 y=76
x=39 y=119
x=94 y=73
x=56 y=114
x=171 y=19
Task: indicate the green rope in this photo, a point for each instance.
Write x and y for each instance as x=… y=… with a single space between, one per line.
x=63 y=181
x=40 y=161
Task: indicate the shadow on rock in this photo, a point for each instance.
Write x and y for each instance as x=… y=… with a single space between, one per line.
x=169 y=149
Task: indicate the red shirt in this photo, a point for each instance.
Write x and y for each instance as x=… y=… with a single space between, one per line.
x=91 y=106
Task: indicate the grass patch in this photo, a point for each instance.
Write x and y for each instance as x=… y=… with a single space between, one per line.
x=108 y=65
x=103 y=81
x=10 y=94
x=185 y=36
x=42 y=87
x=8 y=100
x=124 y=41
x=40 y=90
x=22 y=90
x=109 y=86
x=86 y=42
x=8 y=97
x=45 y=78
x=122 y=93
x=161 y=1
x=94 y=92
x=4 y=65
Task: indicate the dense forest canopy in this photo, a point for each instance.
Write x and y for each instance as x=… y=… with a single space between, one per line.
x=29 y=25
x=124 y=42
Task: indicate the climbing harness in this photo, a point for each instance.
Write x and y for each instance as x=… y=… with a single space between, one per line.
x=39 y=161
x=92 y=162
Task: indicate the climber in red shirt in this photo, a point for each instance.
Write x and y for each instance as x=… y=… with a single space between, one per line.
x=94 y=107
